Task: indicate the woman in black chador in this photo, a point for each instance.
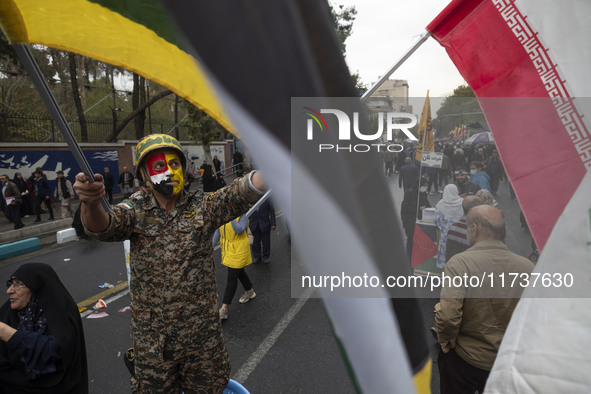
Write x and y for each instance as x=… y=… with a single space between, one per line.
x=412 y=209
x=41 y=339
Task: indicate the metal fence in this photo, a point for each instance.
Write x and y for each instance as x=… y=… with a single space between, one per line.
x=35 y=128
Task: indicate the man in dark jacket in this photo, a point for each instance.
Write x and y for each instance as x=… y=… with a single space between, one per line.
x=42 y=193
x=495 y=170
x=408 y=174
x=126 y=182
x=261 y=223
x=11 y=197
x=25 y=189
x=109 y=183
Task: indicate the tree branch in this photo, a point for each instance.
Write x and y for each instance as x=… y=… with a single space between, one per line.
x=139 y=109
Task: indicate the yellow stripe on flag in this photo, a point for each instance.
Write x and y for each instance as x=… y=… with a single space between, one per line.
x=422 y=378
x=91 y=30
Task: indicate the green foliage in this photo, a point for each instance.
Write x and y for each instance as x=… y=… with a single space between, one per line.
x=7 y=54
x=203 y=129
x=463 y=91
x=17 y=93
x=358 y=82
x=460 y=108
x=343 y=18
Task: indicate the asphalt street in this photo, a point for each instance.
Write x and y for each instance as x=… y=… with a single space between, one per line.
x=277 y=344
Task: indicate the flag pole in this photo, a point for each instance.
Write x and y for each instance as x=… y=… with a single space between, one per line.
x=28 y=61
x=420 y=171
x=258 y=204
x=398 y=63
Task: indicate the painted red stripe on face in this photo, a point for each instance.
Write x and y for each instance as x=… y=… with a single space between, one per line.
x=157 y=157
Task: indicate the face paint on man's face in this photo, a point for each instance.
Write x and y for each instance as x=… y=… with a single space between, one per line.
x=166 y=173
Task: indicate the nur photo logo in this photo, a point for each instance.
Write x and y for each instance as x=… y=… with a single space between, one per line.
x=387 y=124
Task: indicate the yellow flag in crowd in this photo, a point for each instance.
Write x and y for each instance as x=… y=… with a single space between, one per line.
x=425 y=131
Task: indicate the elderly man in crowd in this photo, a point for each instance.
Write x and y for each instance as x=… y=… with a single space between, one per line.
x=470 y=326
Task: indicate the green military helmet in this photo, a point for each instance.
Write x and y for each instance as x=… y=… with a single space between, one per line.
x=156 y=141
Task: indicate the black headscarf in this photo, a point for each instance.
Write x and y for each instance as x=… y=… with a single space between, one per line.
x=21 y=183
x=410 y=201
x=64 y=322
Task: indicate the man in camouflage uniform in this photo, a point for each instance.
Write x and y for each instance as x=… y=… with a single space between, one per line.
x=175 y=325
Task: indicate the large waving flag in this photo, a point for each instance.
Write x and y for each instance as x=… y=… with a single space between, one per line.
x=245 y=77
x=528 y=63
x=136 y=35
x=545 y=346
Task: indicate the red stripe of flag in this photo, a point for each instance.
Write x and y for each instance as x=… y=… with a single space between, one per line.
x=525 y=102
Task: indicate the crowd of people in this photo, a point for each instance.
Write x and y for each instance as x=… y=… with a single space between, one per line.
x=481 y=163
x=471 y=170
x=471 y=235
x=23 y=197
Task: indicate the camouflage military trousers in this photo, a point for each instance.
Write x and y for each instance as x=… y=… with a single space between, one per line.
x=176 y=371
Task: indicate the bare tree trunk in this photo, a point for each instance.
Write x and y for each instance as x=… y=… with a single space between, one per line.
x=140 y=109
x=76 y=97
x=146 y=92
x=137 y=101
x=82 y=78
x=135 y=97
x=109 y=71
x=176 y=116
x=111 y=76
x=57 y=61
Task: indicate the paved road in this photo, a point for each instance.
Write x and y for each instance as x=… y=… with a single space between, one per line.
x=277 y=344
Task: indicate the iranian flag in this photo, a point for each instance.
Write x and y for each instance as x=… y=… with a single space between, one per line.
x=528 y=62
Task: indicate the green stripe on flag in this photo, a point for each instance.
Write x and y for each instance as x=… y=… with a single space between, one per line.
x=149 y=13
x=345 y=357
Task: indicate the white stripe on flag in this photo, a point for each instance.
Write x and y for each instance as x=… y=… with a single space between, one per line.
x=546 y=345
x=565 y=28
x=367 y=328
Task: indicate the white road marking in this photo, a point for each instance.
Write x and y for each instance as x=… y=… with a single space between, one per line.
x=107 y=301
x=256 y=357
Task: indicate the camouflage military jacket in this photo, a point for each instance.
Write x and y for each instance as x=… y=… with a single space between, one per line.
x=173 y=287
